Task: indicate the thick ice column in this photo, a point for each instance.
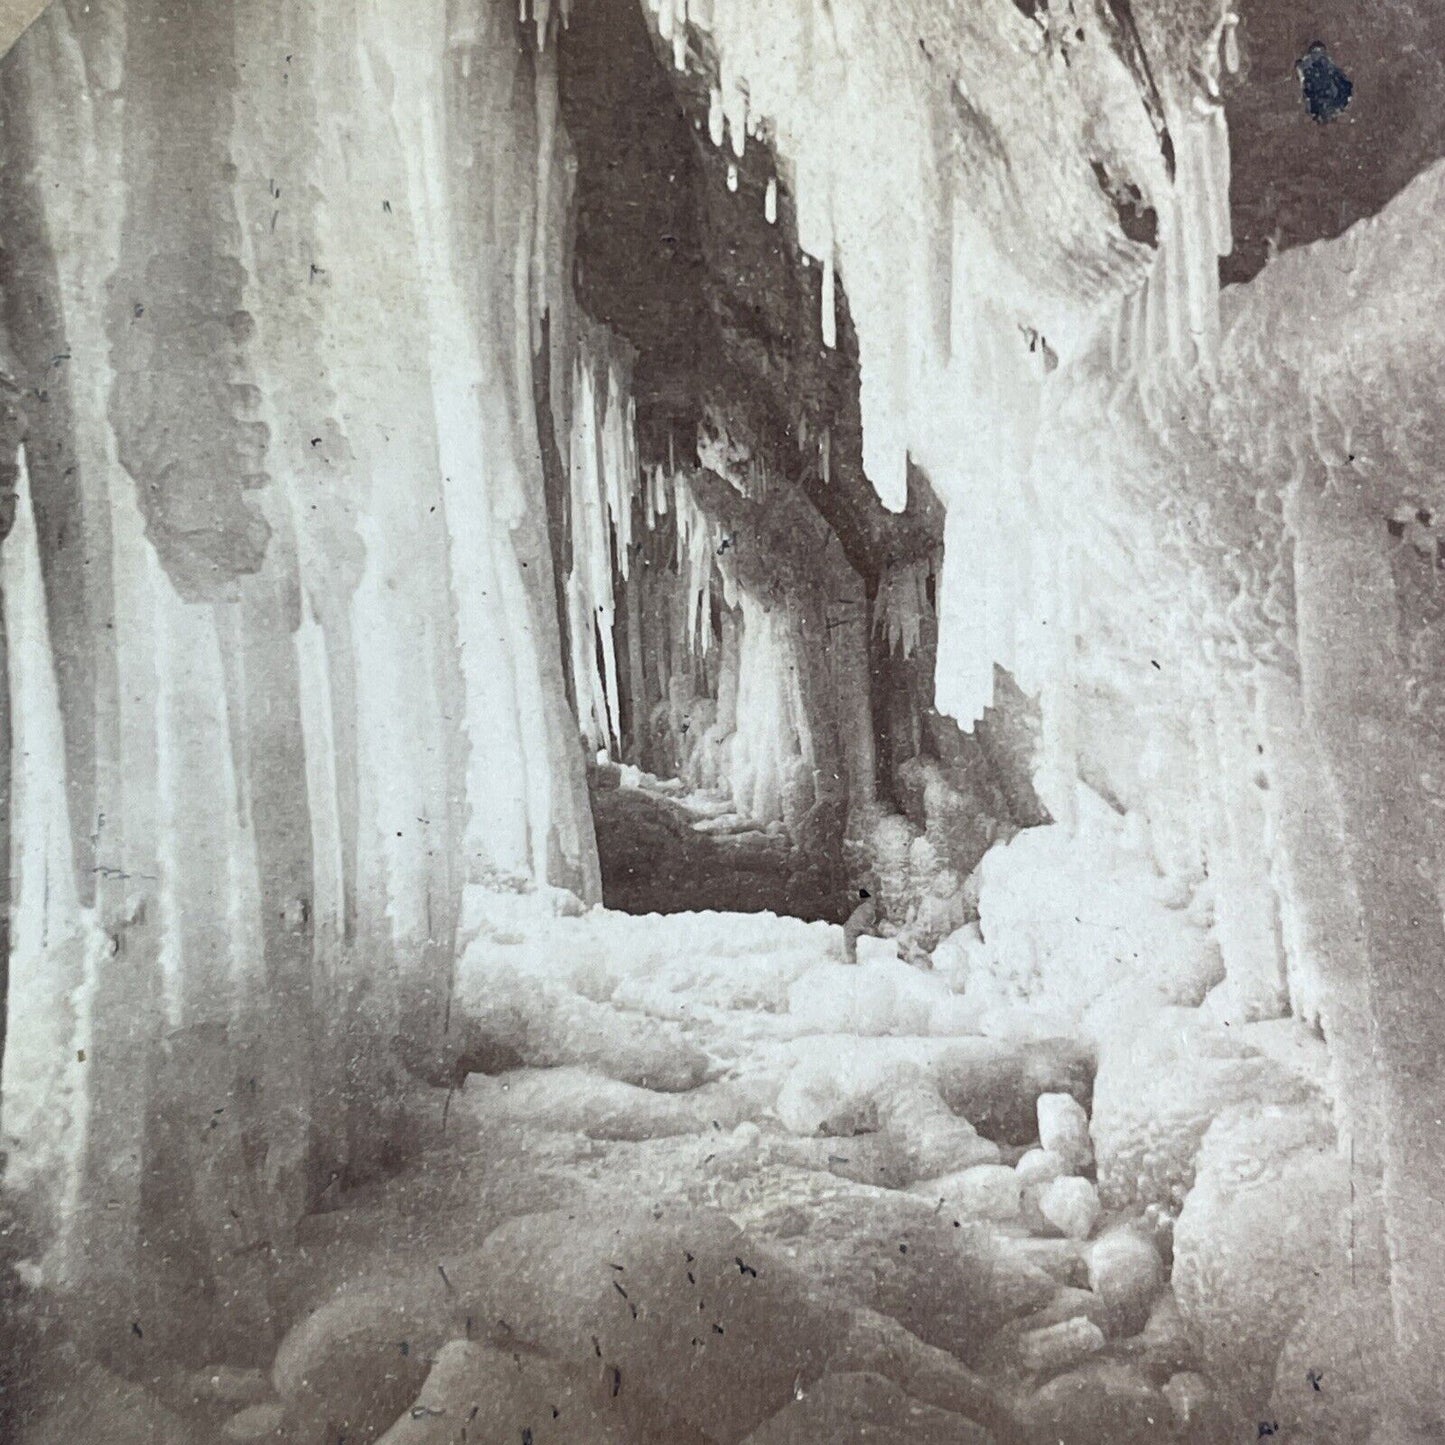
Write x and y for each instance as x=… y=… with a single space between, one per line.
x=493 y=216
x=1321 y=916
x=63 y=195
x=1354 y=696
x=773 y=745
x=1246 y=911
x=54 y=945
x=847 y=655
x=269 y=526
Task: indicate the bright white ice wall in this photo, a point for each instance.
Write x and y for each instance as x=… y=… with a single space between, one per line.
x=253 y=794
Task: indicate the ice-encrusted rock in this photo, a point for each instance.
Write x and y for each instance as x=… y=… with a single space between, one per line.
x=1062 y=1259
x=489 y=1394
x=876 y=1344
x=354 y=1364
x=1125 y=1271
x=566 y=1283
x=1099 y=1404
x=679 y=1305
x=1067 y=1304
x=97 y=1405
x=1269 y=1210
x=1058 y=1347
x=255 y=1423
x=1074 y=1308
x=1064 y=1129
x=1158 y=1088
x=816 y=1099
x=939 y=1276
x=864 y=1407
x=835 y=1083
x=508 y=1019
x=1071 y=1205
x=1040 y=1167
x=823 y=1095
x=987 y=1191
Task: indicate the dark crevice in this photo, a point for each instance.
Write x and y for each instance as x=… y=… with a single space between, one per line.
x=1139 y=222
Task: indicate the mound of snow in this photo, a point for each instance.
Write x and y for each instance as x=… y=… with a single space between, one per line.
x=879 y=995
x=1158 y=1089
x=1080 y=928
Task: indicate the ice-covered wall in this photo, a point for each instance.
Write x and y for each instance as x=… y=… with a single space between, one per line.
x=284 y=644
x=1287 y=558
x=1168 y=524
x=996 y=192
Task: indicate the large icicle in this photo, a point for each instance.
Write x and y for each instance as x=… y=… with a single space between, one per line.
x=606 y=484
x=902 y=605
x=54 y=945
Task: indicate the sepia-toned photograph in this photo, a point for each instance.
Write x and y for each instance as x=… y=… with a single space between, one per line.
x=718 y=722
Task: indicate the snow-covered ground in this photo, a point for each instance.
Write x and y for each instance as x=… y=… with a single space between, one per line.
x=718 y=1185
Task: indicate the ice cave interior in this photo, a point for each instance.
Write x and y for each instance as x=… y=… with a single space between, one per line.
x=718 y=722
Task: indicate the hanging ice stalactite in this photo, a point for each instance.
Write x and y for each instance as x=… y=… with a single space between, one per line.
x=1231 y=43
x=679 y=36
x=901 y=605
x=830 y=305
x=539 y=13
x=697 y=548
x=605 y=485
x=737 y=114
x=1179 y=300
x=716 y=120
x=732 y=177
x=770 y=202
x=52 y=945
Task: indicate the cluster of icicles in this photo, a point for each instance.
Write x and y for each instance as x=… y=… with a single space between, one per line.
x=1170 y=325
x=541 y=14
x=610 y=496
x=603 y=486
x=902 y=604
x=945 y=379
